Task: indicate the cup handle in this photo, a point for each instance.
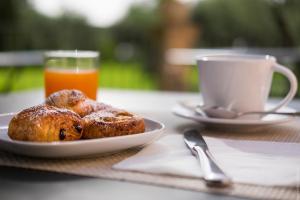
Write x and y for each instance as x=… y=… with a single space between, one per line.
x=293 y=85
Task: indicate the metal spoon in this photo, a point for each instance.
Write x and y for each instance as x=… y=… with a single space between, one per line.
x=225 y=113
x=221 y=112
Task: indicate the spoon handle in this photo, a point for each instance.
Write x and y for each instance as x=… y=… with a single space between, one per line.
x=273 y=112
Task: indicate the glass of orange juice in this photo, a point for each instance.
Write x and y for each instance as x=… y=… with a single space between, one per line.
x=71 y=70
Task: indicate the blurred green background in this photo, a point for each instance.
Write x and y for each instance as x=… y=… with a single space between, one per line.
x=133 y=49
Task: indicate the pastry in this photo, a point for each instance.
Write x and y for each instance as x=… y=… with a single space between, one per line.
x=111 y=122
x=45 y=124
x=76 y=101
x=70 y=115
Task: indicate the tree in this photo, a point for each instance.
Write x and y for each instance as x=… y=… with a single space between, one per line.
x=254 y=21
x=137 y=28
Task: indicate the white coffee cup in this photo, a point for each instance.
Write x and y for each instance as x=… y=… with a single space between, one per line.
x=241 y=82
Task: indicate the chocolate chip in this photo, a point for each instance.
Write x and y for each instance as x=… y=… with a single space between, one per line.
x=62 y=134
x=78 y=128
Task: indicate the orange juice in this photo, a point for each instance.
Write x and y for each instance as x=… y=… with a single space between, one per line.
x=84 y=80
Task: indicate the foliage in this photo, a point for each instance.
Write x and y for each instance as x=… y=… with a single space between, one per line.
x=290 y=17
x=222 y=23
x=258 y=23
x=138 y=28
x=28 y=29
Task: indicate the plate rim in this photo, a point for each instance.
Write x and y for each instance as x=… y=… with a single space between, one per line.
x=232 y=122
x=80 y=142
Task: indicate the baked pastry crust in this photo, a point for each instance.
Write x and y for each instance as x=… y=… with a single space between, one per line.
x=60 y=119
x=76 y=101
x=112 y=122
x=45 y=124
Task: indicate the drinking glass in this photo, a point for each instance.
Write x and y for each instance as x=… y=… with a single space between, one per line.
x=71 y=70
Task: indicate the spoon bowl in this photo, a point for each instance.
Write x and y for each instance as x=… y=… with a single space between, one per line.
x=216 y=112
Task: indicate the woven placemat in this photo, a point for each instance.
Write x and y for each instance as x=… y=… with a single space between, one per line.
x=101 y=166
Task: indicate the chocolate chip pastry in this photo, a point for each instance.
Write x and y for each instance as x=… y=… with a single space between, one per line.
x=100 y=120
x=70 y=115
x=45 y=123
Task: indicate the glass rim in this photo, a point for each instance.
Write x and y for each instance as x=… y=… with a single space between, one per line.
x=71 y=54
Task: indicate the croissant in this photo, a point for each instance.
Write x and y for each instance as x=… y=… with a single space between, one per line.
x=76 y=101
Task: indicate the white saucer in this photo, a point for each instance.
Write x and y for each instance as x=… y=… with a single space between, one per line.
x=78 y=148
x=234 y=123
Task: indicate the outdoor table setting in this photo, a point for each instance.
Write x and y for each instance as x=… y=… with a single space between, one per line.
x=214 y=142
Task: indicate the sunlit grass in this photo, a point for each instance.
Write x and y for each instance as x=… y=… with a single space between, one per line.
x=14 y=79
x=130 y=76
x=112 y=75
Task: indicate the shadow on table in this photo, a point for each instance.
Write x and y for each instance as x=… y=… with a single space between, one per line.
x=286 y=132
x=28 y=175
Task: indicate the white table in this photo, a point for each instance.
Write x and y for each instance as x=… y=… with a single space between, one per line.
x=30 y=184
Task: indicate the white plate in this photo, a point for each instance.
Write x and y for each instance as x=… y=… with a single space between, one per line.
x=79 y=148
x=234 y=123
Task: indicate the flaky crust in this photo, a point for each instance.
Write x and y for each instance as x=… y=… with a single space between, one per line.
x=45 y=124
x=112 y=122
x=70 y=115
x=76 y=101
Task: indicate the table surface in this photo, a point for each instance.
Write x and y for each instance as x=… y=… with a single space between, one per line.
x=16 y=183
